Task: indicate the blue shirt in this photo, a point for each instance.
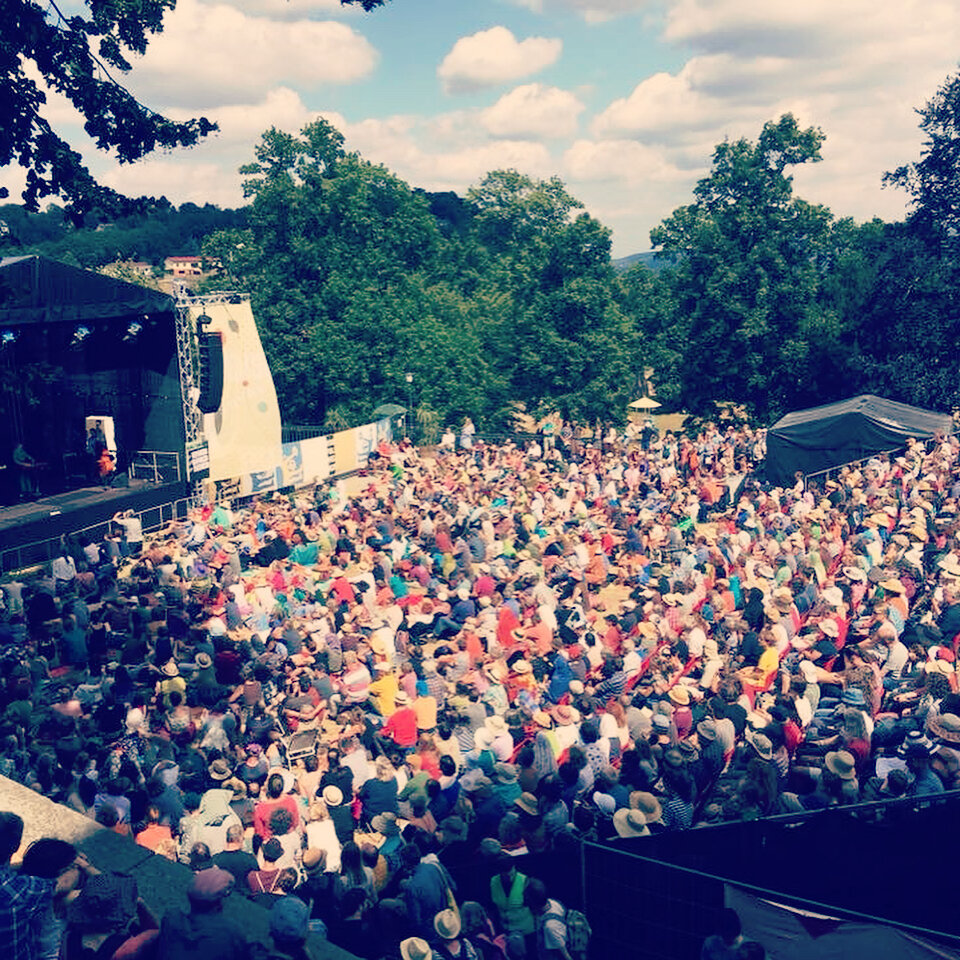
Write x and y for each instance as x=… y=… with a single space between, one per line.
x=22 y=901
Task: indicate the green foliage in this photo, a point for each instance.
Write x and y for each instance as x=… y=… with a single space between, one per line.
x=933 y=182
x=748 y=322
x=149 y=236
x=79 y=56
x=357 y=280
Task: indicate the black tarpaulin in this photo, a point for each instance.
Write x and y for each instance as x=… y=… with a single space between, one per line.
x=41 y=290
x=838 y=433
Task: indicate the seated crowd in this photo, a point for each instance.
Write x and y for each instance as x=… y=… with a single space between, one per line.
x=359 y=711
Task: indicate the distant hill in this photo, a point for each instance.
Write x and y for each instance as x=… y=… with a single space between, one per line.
x=648 y=259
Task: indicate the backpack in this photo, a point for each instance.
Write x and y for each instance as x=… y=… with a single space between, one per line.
x=578 y=934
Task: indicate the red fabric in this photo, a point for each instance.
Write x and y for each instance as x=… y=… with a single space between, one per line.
x=264 y=810
x=401 y=728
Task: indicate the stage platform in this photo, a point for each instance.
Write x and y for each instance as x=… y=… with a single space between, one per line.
x=29 y=532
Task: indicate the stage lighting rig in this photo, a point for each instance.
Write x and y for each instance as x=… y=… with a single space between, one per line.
x=79 y=335
x=8 y=338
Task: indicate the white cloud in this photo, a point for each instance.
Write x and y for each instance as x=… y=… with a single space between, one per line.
x=593 y=11
x=533 y=110
x=603 y=161
x=216 y=54
x=495 y=56
x=294 y=9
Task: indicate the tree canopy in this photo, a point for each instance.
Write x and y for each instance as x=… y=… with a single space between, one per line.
x=80 y=56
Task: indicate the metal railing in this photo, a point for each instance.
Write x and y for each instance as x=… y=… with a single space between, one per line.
x=157 y=466
x=292 y=432
x=821 y=476
x=36 y=552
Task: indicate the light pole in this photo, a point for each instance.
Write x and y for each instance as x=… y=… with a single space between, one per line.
x=409 y=378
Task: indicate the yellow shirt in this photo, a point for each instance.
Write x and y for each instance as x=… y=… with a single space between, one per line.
x=769 y=661
x=382 y=691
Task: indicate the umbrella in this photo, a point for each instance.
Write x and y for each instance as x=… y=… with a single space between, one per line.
x=644 y=403
x=389 y=410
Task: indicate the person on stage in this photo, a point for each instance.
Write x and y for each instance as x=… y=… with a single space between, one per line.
x=26 y=469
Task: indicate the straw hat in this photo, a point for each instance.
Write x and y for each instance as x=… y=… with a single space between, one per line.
x=447 y=924
x=413 y=948
x=679 y=695
x=842 y=763
x=630 y=823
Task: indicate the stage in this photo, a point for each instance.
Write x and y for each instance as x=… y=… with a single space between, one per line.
x=29 y=532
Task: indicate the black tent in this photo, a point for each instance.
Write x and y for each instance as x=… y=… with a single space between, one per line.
x=838 y=433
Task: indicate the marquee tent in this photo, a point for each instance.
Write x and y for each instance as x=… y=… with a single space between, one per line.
x=838 y=433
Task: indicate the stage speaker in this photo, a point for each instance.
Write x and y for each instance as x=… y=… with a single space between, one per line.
x=211 y=371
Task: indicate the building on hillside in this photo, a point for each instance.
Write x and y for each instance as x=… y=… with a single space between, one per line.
x=184 y=266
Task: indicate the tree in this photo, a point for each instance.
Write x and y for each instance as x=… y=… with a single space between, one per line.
x=77 y=55
x=746 y=263
x=933 y=182
x=561 y=337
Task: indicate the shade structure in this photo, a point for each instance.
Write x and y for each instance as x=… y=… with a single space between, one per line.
x=817 y=439
x=644 y=403
x=389 y=410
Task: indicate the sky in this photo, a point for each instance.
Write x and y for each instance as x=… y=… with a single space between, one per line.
x=624 y=100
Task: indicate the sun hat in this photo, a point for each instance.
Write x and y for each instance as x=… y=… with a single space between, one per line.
x=916 y=745
x=647 y=804
x=447 y=924
x=386 y=823
x=527 y=802
x=414 y=948
x=829 y=627
x=707 y=729
x=401 y=698
x=576 y=687
x=854 y=573
x=289 y=920
x=842 y=763
x=542 y=719
x=332 y=795
x=219 y=770
x=496 y=725
x=760 y=743
x=945 y=726
x=523 y=666
x=679 y=695
x=630 y=823
x=204 y=660
x=565 y=715
x=313 y=859
x=170 y=669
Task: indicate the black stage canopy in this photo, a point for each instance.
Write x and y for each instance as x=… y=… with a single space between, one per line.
x=838 y=433
x=76 y=344
x=40 y=290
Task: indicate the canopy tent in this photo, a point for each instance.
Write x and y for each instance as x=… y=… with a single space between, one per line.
x=838 y=433
x=39 y=290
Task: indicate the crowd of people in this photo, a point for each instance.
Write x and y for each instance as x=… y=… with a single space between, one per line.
x=359 y=711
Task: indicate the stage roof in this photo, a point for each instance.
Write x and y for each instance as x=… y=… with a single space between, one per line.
x=40 y=290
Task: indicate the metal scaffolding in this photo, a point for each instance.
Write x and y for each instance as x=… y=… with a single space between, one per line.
x=188 y=363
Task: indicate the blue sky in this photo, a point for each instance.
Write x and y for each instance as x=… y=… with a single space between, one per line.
x=623 y=99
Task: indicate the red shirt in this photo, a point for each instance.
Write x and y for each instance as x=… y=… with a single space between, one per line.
x=402 y=727
x=264 y=810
